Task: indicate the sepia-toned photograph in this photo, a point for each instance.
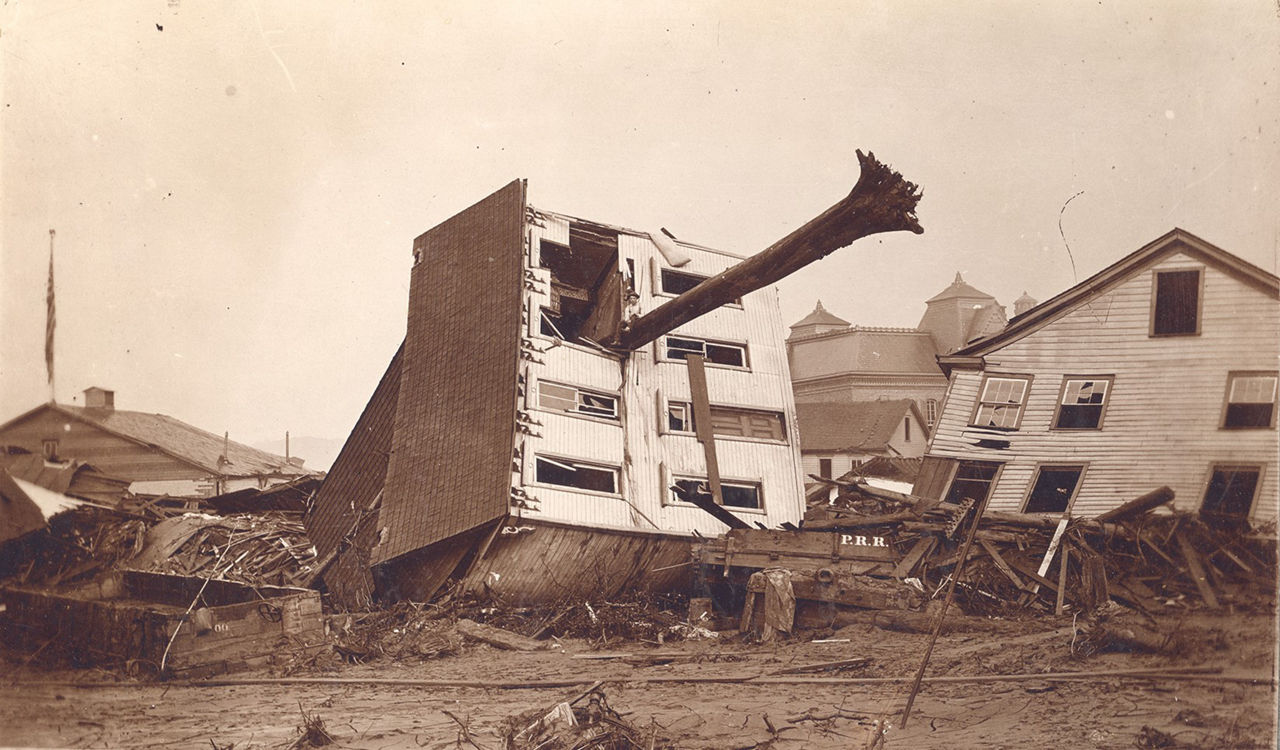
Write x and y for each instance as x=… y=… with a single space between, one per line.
x=639 y=376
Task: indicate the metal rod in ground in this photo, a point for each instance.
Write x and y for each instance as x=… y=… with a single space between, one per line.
x=946 y=604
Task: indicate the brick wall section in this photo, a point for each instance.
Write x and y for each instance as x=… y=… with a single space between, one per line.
x=450 y=466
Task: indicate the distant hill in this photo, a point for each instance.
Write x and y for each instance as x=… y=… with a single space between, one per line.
x=319 y=453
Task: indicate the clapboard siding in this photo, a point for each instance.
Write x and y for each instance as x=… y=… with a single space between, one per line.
x=637 y=443
x=108 y=453
x=1161 y=424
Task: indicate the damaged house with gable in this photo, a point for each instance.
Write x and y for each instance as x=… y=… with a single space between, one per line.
x=574 y=402
x=1159 y=370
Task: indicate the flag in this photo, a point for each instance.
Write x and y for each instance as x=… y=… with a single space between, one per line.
x=50 y=320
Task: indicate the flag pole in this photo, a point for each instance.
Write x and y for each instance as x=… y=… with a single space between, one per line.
x=50 y=322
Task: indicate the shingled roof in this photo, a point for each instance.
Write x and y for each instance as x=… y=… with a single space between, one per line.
x=192 y=445
x=859 y=426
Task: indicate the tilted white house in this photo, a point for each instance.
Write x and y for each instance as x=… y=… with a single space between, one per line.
x=1158 y=370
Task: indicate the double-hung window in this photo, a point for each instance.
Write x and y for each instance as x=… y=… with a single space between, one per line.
x=1001 y=402
x=715 y=352
x=1230 y=494
x=1251 y=400
x=1082 y=402
x=574 y=400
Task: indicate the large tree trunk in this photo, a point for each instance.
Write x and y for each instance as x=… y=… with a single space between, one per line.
x=881 y=201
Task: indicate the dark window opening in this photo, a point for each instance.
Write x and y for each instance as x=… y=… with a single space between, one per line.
x=49 y=449
x=906 y=429
x=679 y=282
x=1229 y=497
x=730 y=355
x=1251 y=401
x=1177 y=306
x=972 y=481
x=1053 y=489
x=734 y=494
x=1082 y=404
x=573 y=474
x=824 y=468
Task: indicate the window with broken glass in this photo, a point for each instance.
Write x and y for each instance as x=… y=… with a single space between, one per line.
x=576 y=474
x=735 y=494
x=1082 y=403
x=1251 y=400
x=574 y=400
x=1001 y=402
x=715 y=352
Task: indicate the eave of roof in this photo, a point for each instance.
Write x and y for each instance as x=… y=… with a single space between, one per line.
x=1176 y=240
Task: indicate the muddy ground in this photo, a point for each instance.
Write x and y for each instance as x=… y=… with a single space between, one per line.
x=1233 y=709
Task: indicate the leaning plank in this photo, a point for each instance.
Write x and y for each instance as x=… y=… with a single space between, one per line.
x=913 y=557
x=1001 y=564
x=497 y=636
x=1197 y=571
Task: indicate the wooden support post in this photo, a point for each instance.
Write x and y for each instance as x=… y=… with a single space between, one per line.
x=702 y=421
x=1197 y=571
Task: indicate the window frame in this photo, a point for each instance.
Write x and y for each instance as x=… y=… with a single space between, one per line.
x=664 y=423
x=669 y=498
x=1082 y=467
x=1216 y=466
x=1226 y=398
x=532 y=479
x=662 y=355
x=659 y=289
x=1155 y=292
x=1026 y=378
x=1110 y=380
x=931 y=412
x=579 y=392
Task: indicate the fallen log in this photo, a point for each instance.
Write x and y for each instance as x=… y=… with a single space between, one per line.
x=881 y=201
x=498 y=637
x=1137 y=506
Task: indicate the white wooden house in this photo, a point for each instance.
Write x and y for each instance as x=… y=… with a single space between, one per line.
x=1159 y=370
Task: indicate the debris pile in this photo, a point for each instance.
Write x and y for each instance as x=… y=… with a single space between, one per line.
x=1139 y=554
x=78 y=544
x=261 y=549
x=583 y=721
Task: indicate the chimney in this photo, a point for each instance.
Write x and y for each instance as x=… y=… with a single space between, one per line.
x=99 y=398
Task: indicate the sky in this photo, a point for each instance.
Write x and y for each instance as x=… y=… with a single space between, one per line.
x=235 y=186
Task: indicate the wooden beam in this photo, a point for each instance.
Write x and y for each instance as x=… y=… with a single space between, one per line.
x=913 y=557
x=881 y=201
x=1001 y=565
x=1137 y=506
x=1197 y=570
x=1062 y=578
